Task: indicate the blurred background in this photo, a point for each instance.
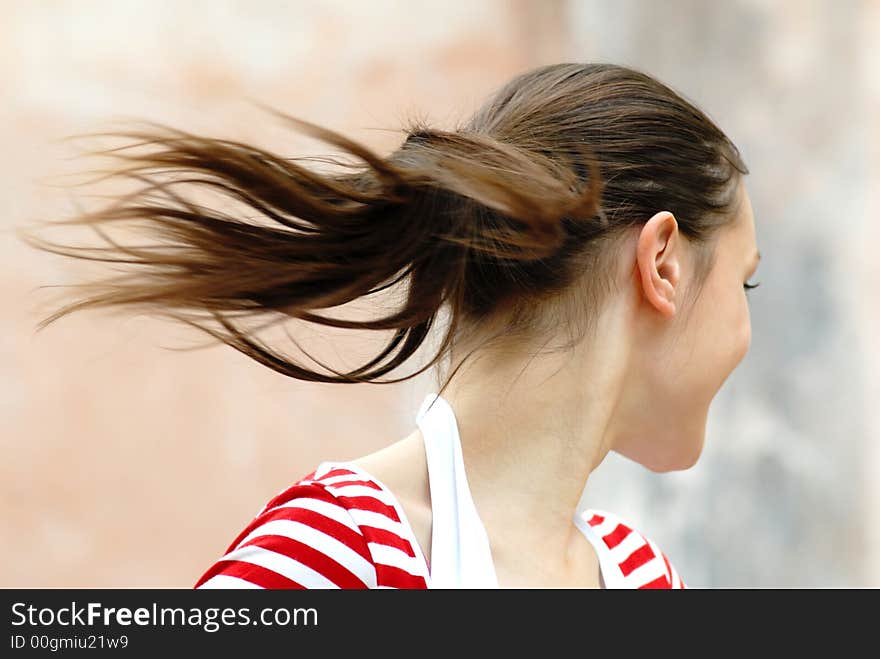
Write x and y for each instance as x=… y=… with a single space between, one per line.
x=129 y=464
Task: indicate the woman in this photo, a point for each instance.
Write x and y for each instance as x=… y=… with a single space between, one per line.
x=587 y=238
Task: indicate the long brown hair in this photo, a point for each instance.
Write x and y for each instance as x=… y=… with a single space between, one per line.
x=508 y=222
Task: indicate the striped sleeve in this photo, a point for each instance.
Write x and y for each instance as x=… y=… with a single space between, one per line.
x=392 y=545
x=302 y=538
x=640 y=562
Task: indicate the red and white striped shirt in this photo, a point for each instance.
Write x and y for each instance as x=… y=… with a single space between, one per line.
x=339 y=528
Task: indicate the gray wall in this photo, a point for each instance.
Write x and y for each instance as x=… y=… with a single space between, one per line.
x=784 y=494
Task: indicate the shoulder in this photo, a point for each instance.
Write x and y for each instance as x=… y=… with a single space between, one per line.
x=334 y=528
x=629 y=558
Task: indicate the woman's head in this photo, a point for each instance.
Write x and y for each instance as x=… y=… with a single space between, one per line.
x=511 y=225
x=654 y=151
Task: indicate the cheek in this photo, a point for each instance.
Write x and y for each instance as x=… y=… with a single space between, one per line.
x=743 y=333
x=727 y=339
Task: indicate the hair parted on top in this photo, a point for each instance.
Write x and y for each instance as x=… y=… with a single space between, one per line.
x=508 y=221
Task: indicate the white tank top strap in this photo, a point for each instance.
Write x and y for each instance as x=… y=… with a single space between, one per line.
x=460 y=552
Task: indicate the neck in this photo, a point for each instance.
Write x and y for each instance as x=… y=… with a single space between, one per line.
x=532 y=430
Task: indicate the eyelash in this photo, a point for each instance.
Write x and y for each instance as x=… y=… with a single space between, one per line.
x=749 y=286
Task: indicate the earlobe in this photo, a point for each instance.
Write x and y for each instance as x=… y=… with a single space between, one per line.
x=658 y=261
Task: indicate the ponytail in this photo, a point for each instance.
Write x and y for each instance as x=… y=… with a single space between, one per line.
x=459 y=217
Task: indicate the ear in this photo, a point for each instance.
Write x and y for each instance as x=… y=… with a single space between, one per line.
x=658 y=256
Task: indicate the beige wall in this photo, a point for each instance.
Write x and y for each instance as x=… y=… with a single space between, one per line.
x=129 y=464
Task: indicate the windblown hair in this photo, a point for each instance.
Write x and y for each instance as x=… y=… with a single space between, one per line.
x=508 y=222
